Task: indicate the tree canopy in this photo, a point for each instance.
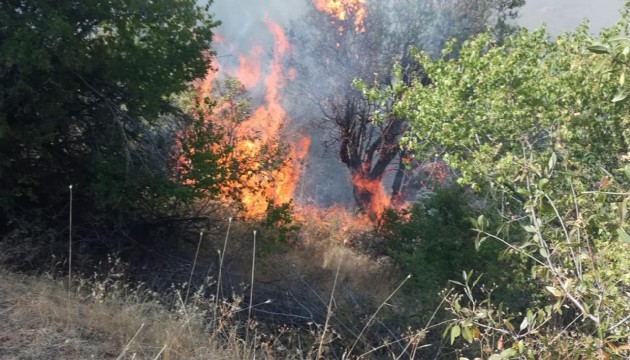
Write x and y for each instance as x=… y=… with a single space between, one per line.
x=537 y=128
x=84 y=85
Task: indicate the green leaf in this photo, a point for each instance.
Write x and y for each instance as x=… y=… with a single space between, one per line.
x=466 y=334
x=529 y=229
x=552 y=161
x=623 y=235
x=479 y=241
x=508 y=353
x=621 y=96
x=626 y=170
x=599 y=49
x=481 y=222
x=543 y=252
x=618 y=39
x=524 y=324
x=530 y=317
x=555 y=292
x=455 y=332
x=446 y=331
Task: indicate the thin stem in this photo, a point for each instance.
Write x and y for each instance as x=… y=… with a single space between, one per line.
x=618 y=324
x=160 y=353
x=70 y=242
x=221 y=257
x=124 y=352
x=251 y=288
x=512 y=247
x=192 y=270
x=566 y=235
x=376 y=312
x=328 y=314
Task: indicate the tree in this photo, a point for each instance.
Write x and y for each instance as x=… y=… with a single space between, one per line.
x=83 y=85
x=530 y=125
x=330 y=54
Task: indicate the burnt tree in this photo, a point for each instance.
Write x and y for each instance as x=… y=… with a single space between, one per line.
x=329 y=54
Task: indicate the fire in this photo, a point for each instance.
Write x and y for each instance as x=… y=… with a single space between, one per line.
x=261 y=132
x=339 y=9
x=371 y=195
x=249 y=71
x=261 y=182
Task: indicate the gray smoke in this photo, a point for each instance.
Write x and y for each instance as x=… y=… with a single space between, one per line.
x=325 y=181
x=325 y=72
x=243 y=20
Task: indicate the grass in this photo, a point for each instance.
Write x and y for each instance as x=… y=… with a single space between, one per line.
x=39 y=320
x=105 y=316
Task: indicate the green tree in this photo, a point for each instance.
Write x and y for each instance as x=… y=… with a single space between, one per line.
x=531 y=125
x=83 y=86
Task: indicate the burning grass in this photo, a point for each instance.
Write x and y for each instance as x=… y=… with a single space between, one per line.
x=329 y=237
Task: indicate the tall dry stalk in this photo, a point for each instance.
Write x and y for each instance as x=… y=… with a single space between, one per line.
x=221 y=257
x=70 y=242
x=349 y=352
x=328 y=314
x=251 y=289
x=192 y=271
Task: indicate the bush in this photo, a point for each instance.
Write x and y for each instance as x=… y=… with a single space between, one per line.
x=435 y=242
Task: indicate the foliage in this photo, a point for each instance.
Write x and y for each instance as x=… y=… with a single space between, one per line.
x=278 y=229
x=207 y=159
x=530 y=123
x=434 y=242
x=83 y=87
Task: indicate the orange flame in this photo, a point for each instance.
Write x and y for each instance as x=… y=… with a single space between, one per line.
x=261 y=132
x=249 y=71
x=371 y=195
x=339 y=9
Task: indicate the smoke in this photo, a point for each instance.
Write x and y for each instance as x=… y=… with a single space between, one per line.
x=326 y=53
x=324 y=180
x=243 y=20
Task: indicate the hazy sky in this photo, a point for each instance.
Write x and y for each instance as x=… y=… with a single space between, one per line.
x=564 y=15
x=243 y=16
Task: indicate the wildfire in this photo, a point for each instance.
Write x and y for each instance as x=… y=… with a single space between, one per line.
x=249 y=71
x=263 y=182
x=260 y=133
x=371 y=195
x=339 y=9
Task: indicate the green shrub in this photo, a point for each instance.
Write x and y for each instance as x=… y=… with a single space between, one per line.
x=434 y=242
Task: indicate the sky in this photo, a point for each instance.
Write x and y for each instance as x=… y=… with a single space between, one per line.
x=565 y=15
x=558 y=15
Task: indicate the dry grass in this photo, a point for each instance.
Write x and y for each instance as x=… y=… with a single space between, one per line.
x=104 y=317
x=40 y=320
x=327 y=238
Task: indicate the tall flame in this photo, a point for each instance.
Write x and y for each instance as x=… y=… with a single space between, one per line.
x=260 y=133
x=339 y=9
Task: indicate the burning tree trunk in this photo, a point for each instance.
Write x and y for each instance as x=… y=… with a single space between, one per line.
x=367 y=149
x=339 y=41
